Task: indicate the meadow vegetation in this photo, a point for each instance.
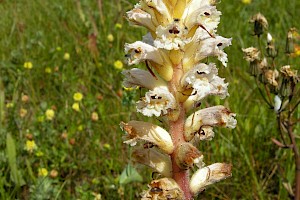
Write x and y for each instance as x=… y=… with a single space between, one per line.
x=61 y=101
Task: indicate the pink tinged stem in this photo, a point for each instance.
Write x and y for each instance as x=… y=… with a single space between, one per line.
x=181 y=176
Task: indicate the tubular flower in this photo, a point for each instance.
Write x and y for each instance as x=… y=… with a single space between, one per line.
x=181 y=36
x=212 y=116
x=204 y=81
x=209 y=175
x=159 y=162
x=135 y=78
x=137 y=130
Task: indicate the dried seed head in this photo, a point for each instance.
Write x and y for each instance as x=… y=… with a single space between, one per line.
x=163 y=189
x=260 y=24
x=251 y=54
x=209 y=175
x=186 y=155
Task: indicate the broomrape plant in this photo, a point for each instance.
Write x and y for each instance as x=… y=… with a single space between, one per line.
x=182 y=35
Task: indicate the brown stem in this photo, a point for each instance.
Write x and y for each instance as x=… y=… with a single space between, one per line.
x=176 y=130
x=296 y=155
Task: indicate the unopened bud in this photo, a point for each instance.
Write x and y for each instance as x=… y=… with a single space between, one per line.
x=186 y=155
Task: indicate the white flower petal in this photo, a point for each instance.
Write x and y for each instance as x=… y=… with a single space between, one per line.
x=140 y=51
x=138 y=16
x=171 y=37
x=138 y=130
x=204 y=81
x=156 y=102
x=213 y=47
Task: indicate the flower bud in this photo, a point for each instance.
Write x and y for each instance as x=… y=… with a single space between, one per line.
x=165 y=188
x=271 y=50
x=277 y=103
x=138 y=130
x=186 y=155
x=209 y=175
x=159 y=162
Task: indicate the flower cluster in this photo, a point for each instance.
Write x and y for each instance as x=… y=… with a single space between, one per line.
x=181 y=36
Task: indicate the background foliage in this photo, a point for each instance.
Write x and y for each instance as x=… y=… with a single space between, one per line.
x=79 y=153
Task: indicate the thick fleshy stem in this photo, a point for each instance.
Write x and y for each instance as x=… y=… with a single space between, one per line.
x=181 y=176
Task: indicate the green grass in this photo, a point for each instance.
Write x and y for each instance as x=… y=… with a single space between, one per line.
x=43 y=31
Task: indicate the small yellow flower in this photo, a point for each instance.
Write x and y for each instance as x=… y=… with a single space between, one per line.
x=118 y=64
x=118 y=26
x=246 y=1
x=80 y=128
x=76 y=107
x=28 y=65
x=94 y=116
x=22 y=112
x=50 y=114
x=110 y=37
x=77 y=96
x=39 y=153
x=48 y=70
x=9 y=105
x=41 y=118
x=30 y=146
x=130 y=89
x=107 y=146
x=66 y=56
x=42 y=172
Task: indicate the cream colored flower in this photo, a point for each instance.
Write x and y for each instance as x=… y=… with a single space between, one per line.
x=213 y=47
x=141 y=52
x=159 y=162
x=157 y=102
x=138 y=130
x=135 y=78
x=209 y=175
x=204 y=81
x=212 y=116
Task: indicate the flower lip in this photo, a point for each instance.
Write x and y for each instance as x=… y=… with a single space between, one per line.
x=157 y=102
